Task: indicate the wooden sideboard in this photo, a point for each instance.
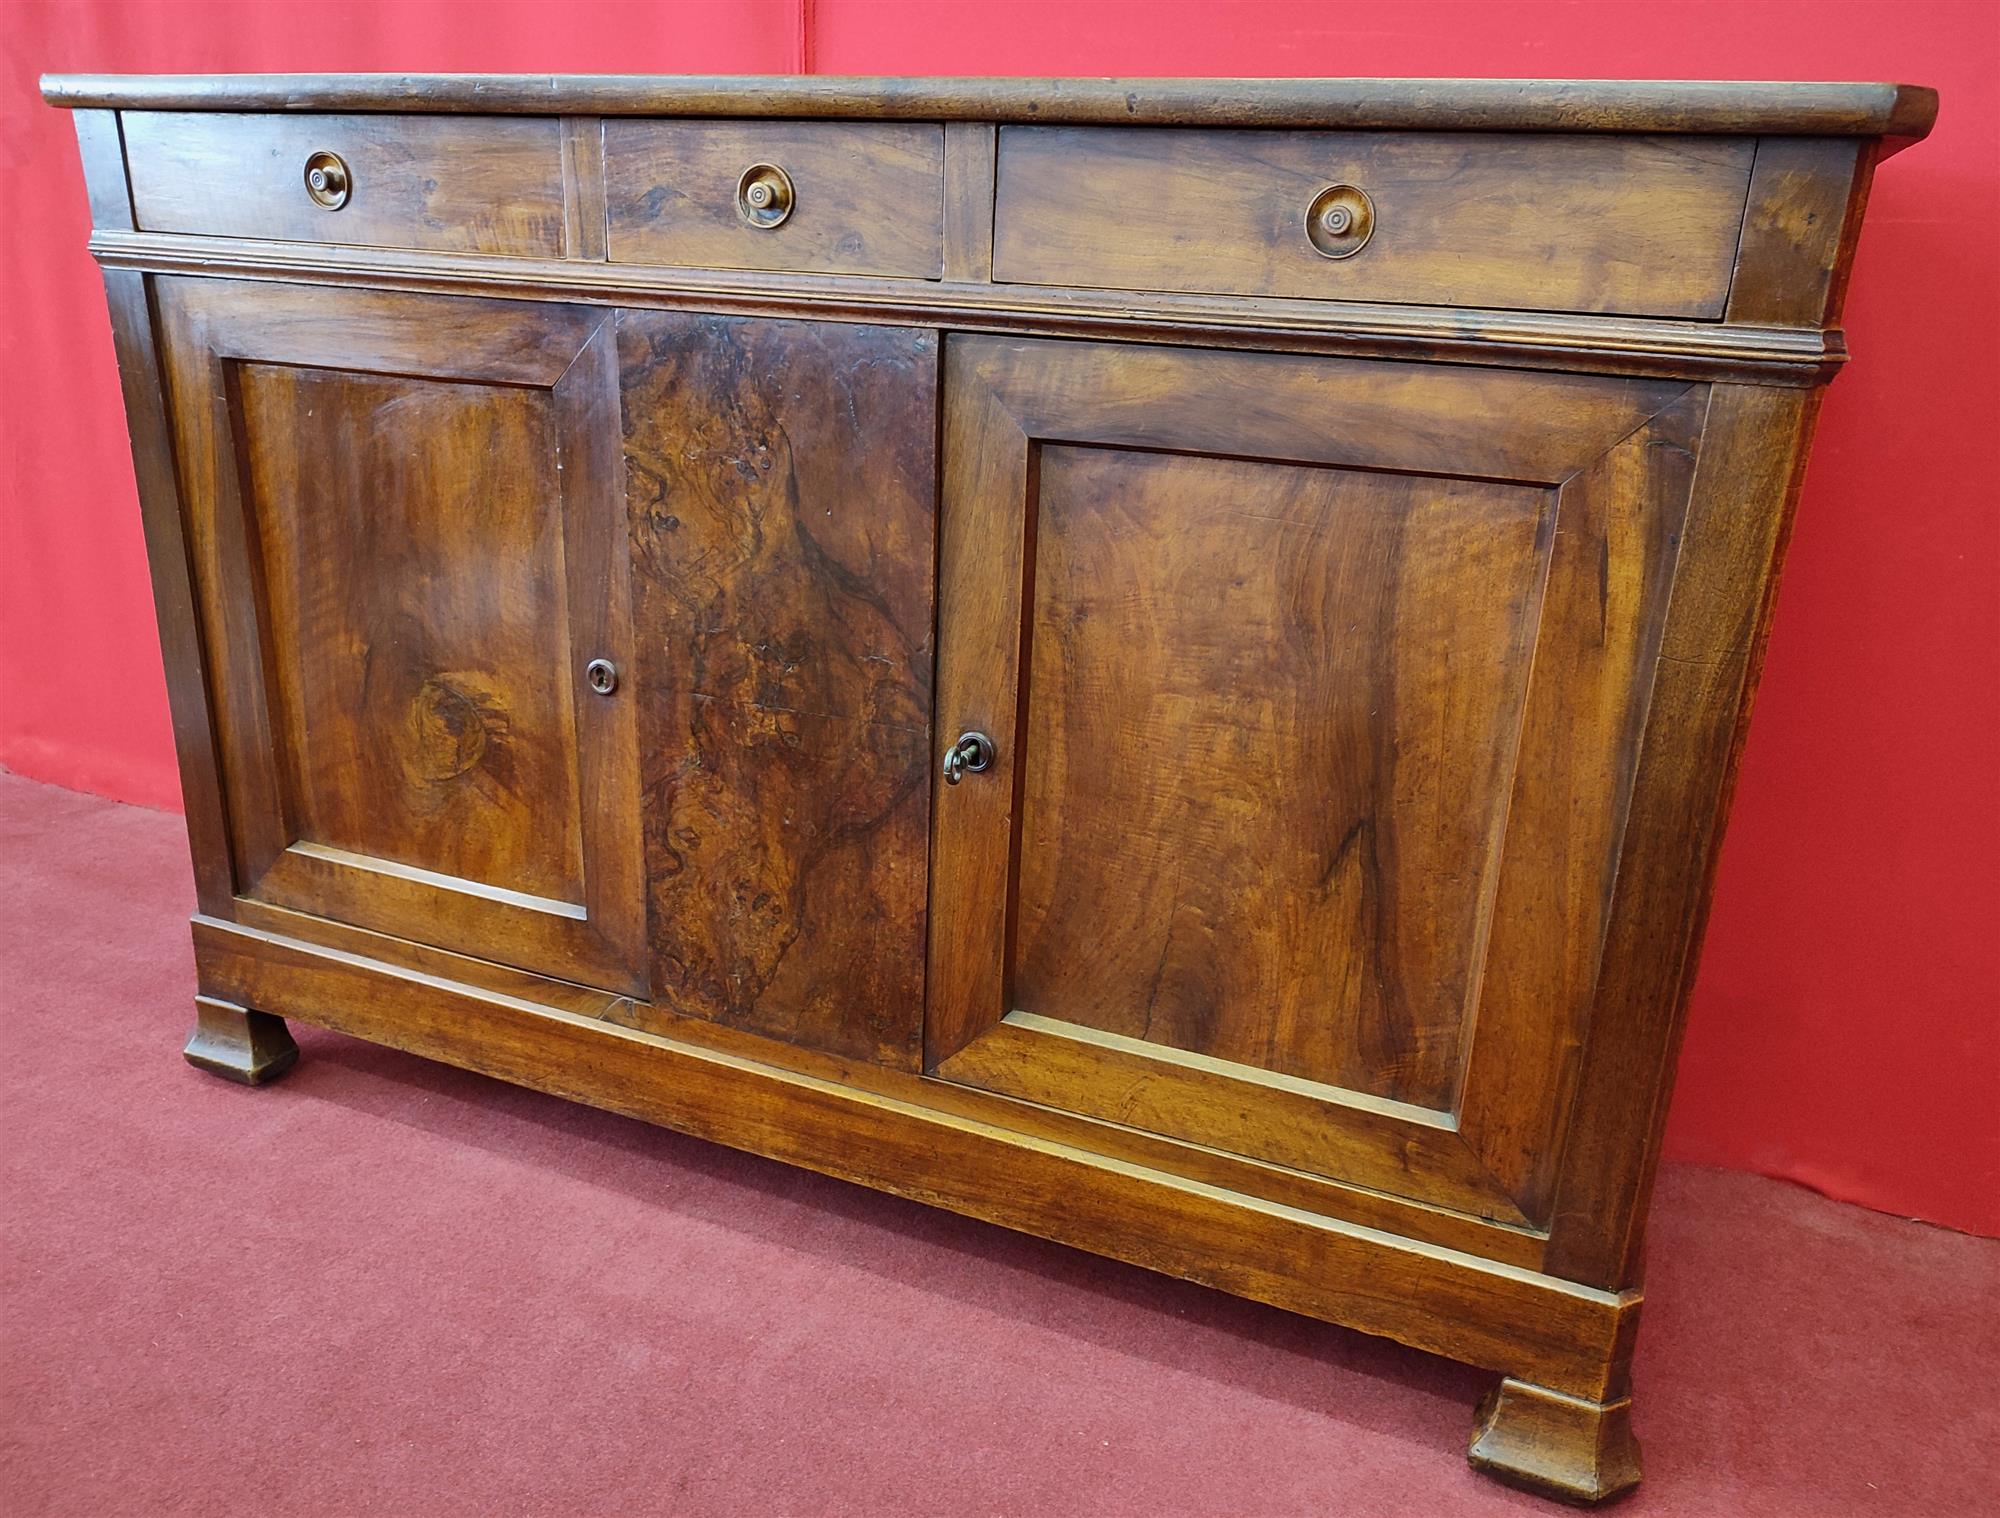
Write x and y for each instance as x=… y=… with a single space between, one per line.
x=1159 y=663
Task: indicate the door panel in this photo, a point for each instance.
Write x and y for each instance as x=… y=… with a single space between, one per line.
x=782 y=498
x=408 y=545
x=437 y=722
x=1271 y=706
x=1311 y=765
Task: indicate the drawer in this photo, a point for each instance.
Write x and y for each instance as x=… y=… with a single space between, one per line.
x=1641 y=225
x=814 y=197
x=451 y=184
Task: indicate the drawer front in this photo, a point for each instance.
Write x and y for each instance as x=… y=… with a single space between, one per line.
x=801 y=196
x=1645 y=226
x=452 y=184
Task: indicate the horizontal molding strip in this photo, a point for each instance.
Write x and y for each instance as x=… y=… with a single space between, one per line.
x=1693 y=350
x=1460 y=105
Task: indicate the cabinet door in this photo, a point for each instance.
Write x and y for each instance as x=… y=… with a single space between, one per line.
x=407 y=526
x=1316 y=687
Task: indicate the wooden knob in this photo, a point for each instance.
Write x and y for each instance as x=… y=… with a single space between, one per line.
x=1340 y=221
x=327 y=180
x=764 y=195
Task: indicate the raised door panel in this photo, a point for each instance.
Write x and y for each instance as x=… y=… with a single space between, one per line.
x=782 y=482
x=439 y=735
x=1316 y=687
x=1271 y=711
x=408 y=538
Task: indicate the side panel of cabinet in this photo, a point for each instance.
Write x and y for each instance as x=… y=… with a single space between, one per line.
x=404 y=520
x=781 y=489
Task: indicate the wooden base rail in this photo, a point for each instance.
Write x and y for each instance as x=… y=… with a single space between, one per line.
x=1541 y=1329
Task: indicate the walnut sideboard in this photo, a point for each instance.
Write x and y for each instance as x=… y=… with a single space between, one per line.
x=1159 y=663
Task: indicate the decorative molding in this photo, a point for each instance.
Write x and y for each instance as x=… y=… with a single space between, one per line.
x=1683 y=349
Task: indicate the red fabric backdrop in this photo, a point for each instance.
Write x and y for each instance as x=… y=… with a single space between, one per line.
x=1846 y=1025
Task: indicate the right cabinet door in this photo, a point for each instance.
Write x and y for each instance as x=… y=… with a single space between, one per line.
x=1316 y=687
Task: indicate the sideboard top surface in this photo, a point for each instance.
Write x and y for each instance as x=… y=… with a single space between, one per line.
x=1511 y=105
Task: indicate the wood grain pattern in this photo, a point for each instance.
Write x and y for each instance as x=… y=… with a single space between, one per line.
x=1239 y=1109
x=404 y=524
x=1799 y=226
x=411 y=557
x=1903 y=111
x=870 y=199
x=1272 y=711
x=1235 y=679
x=454 y=184
x=584 y=222
x=1575 y=1449
x=1645 y=225
x=102 y=148
x=508 y=980
x=969 y=157
x=782 y=529
x=1620 y=526
x=176 y=602
x=1712 y=649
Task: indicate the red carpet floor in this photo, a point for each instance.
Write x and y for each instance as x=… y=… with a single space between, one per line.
x=386 y=1287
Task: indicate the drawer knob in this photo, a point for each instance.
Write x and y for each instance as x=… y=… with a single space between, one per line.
x=1340 y=221
x=327 y=180
x=764 y=195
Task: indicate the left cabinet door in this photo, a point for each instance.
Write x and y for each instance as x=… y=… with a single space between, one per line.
x=406 y=523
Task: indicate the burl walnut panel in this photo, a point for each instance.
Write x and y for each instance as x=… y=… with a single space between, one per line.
x=779 y=476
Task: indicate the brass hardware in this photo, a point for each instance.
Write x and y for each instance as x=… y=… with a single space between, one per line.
x=764 y=195
x=1340 y=221
x=972 y=753
x=602 y=676
x=327 y=180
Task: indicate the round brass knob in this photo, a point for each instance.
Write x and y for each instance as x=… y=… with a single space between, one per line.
x=1340 y=221
x=764 y=195
x=327 y=180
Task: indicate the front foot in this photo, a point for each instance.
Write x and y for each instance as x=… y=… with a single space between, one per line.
x=239 y=1044
x=1558 y=1445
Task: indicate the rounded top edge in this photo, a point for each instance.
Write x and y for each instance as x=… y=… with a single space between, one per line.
x=1555 y=105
